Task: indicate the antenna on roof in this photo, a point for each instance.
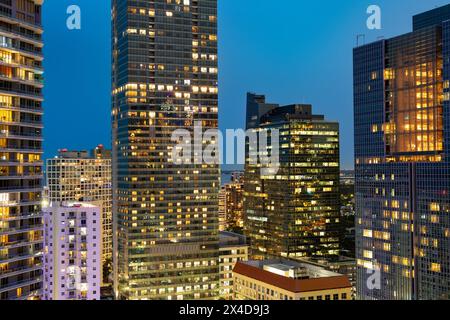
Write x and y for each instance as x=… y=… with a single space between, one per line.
x=360 y=37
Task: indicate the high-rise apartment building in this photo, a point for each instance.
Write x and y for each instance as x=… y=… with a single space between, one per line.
x=73 y=251
x=164 y=77
x=294 y=212
x=222 y=209
x=21 y=83
x=231 y=203
x=402 y=149
x=84 y=176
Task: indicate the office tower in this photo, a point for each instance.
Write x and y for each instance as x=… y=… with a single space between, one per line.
x=402 y=135
x=231 y=203
x=294 y=212
x=84 y=176
x=288 y=280
x=164 y=78
x=233 y=248
x=21 y=83
x=73 y=251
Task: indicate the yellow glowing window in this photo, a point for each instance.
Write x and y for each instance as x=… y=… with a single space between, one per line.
x=388 y=74
x=374 y=75
x=374 y=128
x=434 y=207
x=435 y=267
x=367 y=233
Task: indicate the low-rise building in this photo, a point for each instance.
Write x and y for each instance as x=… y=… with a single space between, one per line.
x=288 y=280
x=232 y=249
x=342 y=265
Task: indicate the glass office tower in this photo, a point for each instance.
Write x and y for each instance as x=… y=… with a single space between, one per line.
x=294 y=212
x=21 y=228
x=402 y=136
x=166 y=214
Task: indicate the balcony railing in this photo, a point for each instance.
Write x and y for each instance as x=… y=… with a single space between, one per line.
x=15 y=271
x=24 y=51
x=35 y=82
x=35 y=26
x=26 y=36
x=19 y=284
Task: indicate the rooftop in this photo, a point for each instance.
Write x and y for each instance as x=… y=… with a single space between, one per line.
x=230 y=239
x=99 y=152
x=292 y=276
x=431 y=18
x=74 y=205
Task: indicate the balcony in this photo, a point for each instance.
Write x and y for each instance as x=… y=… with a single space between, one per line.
x=6 y=134
x=15 y=257
x=21 y=284
x=35 y=54
x=34 y=38
x=34 y=109
x=31 y=66
x=9 y=231
x=18 y=244
x=21 y=270
x=35 y=82
x=7 y=18
x=23 y=217
x=21 y=94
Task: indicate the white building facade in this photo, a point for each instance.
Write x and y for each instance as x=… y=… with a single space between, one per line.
x=73 y=251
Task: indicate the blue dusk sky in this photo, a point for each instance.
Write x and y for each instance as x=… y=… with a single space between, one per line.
x=294 y=51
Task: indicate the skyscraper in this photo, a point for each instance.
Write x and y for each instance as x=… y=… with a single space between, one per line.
x=222 y=209
x=294 y=212
x=402 y=145
x=84 y=176
x=21 y=83
x=164 y=77
x=231 y=198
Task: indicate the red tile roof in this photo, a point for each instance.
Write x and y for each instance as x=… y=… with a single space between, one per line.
x=290 y=284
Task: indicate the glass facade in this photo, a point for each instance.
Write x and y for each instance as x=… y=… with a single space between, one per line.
x=165 y=77
x=293 y=213
x=21 y=83
x=76 y=176
x=402 y=166
x=231 y=200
